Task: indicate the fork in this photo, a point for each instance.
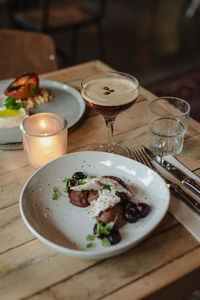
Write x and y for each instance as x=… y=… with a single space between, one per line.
x=141 y=156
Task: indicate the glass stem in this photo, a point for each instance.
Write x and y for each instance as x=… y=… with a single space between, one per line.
x=110 y=130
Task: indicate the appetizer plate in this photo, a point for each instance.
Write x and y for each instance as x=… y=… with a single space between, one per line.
x=64 y=227
x=66 y=101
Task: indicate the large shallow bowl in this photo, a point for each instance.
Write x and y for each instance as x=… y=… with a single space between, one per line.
x=64 y=227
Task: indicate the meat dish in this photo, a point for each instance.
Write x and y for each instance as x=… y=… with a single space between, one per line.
x=111 y=203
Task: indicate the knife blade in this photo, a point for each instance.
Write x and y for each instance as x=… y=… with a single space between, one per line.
x=187 y=199
x=187 y=181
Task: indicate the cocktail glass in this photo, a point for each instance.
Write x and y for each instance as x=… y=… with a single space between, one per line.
x=110 y=93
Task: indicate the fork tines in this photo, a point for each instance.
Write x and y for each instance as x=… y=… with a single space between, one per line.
x=142 y=157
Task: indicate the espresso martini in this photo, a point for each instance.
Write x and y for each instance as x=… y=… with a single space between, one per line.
x=110 y=93
x=110 y=96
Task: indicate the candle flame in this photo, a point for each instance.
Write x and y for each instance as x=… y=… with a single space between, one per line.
x=43 y=124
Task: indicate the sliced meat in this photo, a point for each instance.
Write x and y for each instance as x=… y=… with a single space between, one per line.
x=93 y=195
x=79 y=198
x=111 y=213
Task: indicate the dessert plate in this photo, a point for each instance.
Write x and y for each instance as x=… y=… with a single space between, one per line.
x=64 y=227
x=66 y=101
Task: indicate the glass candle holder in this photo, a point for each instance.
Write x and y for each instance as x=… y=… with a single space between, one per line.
x=44 y=138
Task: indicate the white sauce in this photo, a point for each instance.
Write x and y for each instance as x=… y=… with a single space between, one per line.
x=14 y=121
x=107 y=197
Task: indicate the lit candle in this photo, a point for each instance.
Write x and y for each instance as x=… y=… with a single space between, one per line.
x=44 y=137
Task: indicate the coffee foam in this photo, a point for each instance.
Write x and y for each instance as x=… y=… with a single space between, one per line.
x=124 y=91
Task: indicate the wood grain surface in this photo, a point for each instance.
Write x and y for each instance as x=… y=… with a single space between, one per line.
x=164 y=266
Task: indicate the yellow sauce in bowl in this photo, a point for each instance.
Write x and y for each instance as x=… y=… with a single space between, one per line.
x=8 y=113
x=10 y=118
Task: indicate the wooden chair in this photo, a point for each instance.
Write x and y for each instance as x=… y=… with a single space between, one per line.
x=52 y=16
x=23 y=51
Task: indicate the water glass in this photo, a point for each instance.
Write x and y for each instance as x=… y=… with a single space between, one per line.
x=168 y=122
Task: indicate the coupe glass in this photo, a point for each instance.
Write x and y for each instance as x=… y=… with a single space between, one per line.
x=110 y=93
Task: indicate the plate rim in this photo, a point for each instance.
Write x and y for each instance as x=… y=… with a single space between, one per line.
x=43 y=81
x=74 y=91
x=104 y=252
x=13 y=143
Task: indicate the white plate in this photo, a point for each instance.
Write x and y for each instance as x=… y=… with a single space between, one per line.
x=66 y=101
x=64 y=226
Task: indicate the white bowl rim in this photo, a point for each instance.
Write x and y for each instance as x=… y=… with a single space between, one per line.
x=105 y=251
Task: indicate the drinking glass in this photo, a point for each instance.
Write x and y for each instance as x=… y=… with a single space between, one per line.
x=168 y=122
x=110 y=93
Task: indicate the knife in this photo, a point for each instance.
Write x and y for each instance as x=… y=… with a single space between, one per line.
x=177 y=191
x=188 y=182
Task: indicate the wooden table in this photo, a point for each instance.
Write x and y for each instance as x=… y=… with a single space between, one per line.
x=165 y=266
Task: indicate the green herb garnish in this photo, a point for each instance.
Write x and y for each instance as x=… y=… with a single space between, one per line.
x=69 y=184
x=32 y=90
x=107 y=187
x=55 y=194
x=101 y=229
x=117 y=194
x=104 y=230
x=66 y=190
x=11 y=104
x=105 y=242
x=80 y=181
x=98 y=229
x=90 y=237
x=110 y=225
x=66 y=180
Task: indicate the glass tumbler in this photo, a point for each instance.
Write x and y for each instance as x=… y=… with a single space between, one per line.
x=168 y=122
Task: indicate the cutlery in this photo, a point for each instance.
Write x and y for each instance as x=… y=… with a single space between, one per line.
x=142 y=157
x=190 y=183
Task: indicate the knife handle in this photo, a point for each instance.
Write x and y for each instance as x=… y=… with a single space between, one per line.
x=187 y=199
x=192 y=185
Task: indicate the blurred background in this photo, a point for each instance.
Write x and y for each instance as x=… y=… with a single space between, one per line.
x=157 y=41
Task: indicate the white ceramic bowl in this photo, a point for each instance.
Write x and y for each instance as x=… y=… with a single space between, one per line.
x=64 y=227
